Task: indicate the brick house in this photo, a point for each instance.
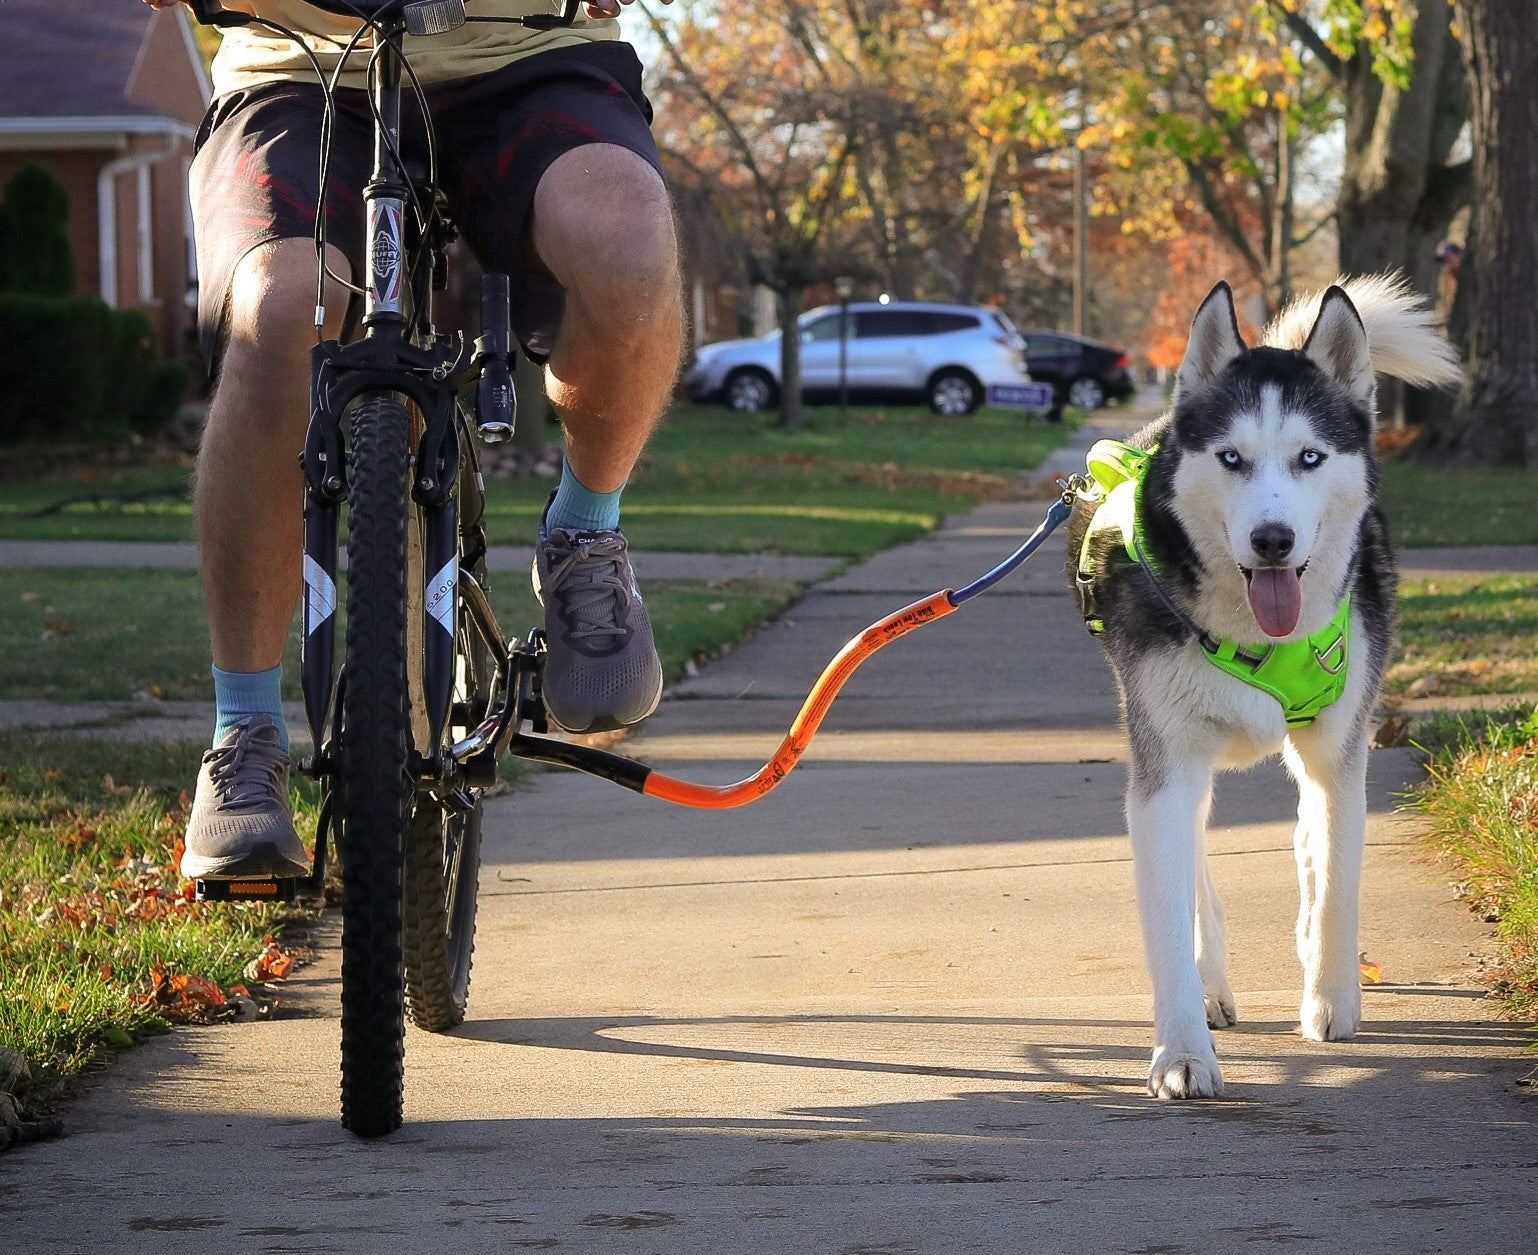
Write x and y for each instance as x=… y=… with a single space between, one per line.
x=108 y=94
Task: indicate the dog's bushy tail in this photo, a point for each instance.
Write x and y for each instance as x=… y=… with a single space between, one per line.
x=1402 y=335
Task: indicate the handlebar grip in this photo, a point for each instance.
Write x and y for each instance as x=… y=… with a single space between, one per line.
x=212 y=13
x=551 y=21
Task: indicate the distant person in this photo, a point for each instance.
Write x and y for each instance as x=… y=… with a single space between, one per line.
x=1450 y=258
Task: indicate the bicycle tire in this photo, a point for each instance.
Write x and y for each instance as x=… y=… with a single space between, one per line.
x=372 y=777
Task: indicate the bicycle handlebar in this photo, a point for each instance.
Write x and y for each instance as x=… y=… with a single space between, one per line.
x=212 y=13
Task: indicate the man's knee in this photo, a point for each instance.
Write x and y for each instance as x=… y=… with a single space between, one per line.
x=603 y=224
x=271 y=312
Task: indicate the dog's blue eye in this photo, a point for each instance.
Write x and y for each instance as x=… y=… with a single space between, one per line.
x=1230 y=458
x=1310 y=458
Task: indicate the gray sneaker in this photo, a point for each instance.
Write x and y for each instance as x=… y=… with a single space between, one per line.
x=602 y=671
x=241 y=823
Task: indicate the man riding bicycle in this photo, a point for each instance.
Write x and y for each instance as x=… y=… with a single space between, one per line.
x=546 y=157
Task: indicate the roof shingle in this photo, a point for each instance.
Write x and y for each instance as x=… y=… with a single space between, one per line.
x=71 y=58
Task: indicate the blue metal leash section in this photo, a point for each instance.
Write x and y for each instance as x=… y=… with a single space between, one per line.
x=1056 y=516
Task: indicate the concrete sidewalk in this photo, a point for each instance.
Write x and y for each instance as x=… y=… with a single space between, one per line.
x=898 y=1006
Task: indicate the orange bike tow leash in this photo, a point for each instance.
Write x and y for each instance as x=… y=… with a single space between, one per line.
x=643 y=779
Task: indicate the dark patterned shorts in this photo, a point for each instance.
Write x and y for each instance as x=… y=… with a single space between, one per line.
x=256 y=174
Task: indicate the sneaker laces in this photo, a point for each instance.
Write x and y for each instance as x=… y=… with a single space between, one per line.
x=590 y=580
x=246 y=773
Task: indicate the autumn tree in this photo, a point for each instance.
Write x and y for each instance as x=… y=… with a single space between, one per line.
x=750 y=120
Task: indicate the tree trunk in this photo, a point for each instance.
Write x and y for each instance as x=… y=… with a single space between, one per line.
x=792 y=412
x=1396 y=141
x=1398 y=195
x=1497 y=411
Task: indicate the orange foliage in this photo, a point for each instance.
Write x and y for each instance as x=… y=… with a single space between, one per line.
x=1194 y=262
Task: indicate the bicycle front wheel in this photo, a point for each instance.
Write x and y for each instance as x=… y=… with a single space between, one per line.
x=372 y=778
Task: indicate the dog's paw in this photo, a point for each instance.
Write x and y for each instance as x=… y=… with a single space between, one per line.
x=1221 y=1012
x=1332 y=1015
x=1185 y=1072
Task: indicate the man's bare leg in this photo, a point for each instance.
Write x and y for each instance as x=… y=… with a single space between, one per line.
x=250 y=492
x=604 y=228
x=249 y=504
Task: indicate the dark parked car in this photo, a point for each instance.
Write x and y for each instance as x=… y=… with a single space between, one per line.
x=1084 y=373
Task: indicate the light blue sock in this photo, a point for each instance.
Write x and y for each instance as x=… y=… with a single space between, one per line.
x=238 y=694
x=579 y=509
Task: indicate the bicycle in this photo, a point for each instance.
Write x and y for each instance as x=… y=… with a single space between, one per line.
x=408 y=730
x=429 y=694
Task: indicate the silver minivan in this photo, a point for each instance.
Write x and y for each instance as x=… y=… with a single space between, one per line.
x=950 y=355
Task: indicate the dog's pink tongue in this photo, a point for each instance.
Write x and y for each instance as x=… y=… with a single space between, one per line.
x=1276 y=599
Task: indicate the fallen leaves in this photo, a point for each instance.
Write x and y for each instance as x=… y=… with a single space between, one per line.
x=274 y=963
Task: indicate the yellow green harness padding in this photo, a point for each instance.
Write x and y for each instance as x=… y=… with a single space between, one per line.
x=1303 y=676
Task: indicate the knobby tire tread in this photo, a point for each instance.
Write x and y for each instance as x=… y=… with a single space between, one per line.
x=372 y=772
x=436 y=994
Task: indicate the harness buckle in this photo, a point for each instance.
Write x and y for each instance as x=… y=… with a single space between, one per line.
x=1332 y=659
x=1077 y=488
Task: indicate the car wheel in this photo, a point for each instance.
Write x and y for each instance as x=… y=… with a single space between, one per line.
x=1086 y=393
x=749 y=391
x=954 y=393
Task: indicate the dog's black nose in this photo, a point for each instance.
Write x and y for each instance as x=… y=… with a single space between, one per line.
x=1272 y=542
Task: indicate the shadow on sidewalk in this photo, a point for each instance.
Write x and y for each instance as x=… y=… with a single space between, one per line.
x=1049 y=1144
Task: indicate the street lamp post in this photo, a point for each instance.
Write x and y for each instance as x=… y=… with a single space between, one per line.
x=844 y=286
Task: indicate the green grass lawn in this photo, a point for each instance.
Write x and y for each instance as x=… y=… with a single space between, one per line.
x=1429 y=505
x=1467 y=634
x=716 y=481
x=91 y=904
x=712 y=480
x=115 y=633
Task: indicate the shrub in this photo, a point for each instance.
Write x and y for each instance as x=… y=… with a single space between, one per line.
x=35 y=254
x=71 y=368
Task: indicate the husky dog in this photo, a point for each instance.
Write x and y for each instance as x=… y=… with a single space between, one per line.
x=1257 y=527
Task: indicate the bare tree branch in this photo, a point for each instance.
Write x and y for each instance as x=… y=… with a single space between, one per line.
x=1310 y=38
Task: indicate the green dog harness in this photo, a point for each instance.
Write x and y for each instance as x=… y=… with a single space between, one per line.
x=1304 y=676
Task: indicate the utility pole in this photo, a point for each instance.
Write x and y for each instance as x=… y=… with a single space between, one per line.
x=1080 y=236
x=1282 y=214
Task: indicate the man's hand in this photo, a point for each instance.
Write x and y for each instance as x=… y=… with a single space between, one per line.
x=604 y=8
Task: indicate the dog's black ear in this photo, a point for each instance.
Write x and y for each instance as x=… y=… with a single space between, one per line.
x=1215 y=342
x=1338 y=346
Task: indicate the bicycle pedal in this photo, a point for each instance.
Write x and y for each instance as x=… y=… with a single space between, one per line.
x=284 y=889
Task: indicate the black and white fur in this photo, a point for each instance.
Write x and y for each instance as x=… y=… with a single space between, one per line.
x=1279 y=436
